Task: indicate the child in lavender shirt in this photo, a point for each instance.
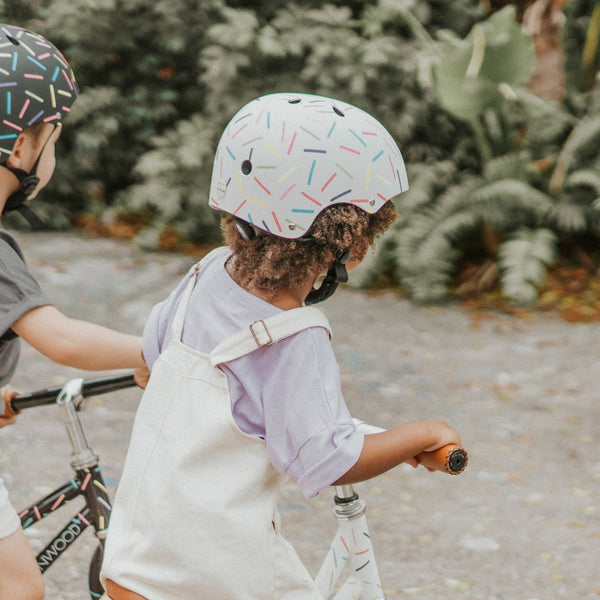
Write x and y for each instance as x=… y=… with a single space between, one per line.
x=270 y=392
x=244 y=385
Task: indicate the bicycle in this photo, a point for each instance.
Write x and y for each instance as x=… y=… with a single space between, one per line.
x=87 y=482
x=350 y=551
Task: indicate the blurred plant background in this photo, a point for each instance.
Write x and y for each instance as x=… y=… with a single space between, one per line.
x=495 y=106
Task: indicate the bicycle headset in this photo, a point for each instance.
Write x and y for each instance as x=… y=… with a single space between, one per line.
x=37 y=85
x=283 y=158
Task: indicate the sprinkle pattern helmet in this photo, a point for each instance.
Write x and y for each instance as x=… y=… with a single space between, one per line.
x=36 y=84
x=283 y=158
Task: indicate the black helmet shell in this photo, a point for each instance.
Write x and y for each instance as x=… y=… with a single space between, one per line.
x=37 y=85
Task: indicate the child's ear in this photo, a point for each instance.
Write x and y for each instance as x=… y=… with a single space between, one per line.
x=16 y=157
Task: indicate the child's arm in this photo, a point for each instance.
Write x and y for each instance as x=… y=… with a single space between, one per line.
x=77 y=343
x=385 y=450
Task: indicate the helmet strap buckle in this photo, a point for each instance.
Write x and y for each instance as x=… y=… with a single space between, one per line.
x=27 y=184
x=336 y=274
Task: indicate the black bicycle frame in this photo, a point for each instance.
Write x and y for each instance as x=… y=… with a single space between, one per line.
x=87 y=483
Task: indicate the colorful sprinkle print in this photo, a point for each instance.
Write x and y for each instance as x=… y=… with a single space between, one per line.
x=36 y=83
x=74 y=488
x=351 y=553
x=283 y=158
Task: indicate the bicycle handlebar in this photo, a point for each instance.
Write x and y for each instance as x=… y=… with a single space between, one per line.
x=89 y=387
x=450 y=459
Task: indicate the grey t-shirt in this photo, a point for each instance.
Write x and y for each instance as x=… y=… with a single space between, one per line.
x=19 y=293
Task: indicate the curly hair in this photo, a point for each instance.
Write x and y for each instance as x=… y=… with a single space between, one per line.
x=272 y=263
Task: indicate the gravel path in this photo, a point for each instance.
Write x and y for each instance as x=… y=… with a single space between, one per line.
x=521 y=523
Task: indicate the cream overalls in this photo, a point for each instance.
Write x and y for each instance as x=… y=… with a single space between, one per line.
x=195 y=515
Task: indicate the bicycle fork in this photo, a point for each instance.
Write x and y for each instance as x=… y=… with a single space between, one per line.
x=352 y=550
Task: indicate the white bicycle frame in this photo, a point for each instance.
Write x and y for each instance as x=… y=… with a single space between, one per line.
x=351 y=550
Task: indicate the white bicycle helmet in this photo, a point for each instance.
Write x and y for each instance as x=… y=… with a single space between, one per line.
x=283 y=158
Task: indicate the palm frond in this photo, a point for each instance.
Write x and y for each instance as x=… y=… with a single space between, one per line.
x=523 y=259
x=568 y=217
x=512 y=194
x=428 y=240
x=514 y=165
x=431 y=283
x=433 y=247
x=583 y=144
x=426 y=180
x=583 y=178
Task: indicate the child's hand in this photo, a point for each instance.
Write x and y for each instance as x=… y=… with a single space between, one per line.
x=443 y=435
x=10 y=416
x=141 y=376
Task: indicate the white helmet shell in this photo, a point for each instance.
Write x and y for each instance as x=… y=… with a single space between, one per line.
x=283 y=158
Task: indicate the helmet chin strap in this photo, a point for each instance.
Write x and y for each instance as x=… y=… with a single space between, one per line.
x=27 y=184
x=336 y=274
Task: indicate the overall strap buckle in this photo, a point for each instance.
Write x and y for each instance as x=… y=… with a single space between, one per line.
x=262 y=337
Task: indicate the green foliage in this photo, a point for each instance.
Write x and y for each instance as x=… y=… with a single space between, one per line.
x=582 y=145
x=137 y=68
x=17 y=12
x=496 y=173
x=146 y=70
x=447 y=206
x=548 y=125
x=575 y=182
x=444 y=209
x=492 y=209
x=580 y=37
x=172 y=186
x=523 y=259
x=305 y=47
x=477 y=73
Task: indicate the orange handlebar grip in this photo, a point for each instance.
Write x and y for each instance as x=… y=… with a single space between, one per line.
x=450 y=459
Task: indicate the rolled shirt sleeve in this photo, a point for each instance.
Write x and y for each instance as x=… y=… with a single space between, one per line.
x=308 y=429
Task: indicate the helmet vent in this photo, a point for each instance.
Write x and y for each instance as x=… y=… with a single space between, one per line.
x=337 y=111
x=13 y=40
x=295 y=101
x=246 y=167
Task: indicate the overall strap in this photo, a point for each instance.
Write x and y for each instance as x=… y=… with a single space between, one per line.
x=268 y=331
x=179 y=318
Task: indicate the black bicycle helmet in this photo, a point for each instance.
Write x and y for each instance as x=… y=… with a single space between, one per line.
x=37 y=85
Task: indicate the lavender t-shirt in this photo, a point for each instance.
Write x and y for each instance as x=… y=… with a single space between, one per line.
x=289 y=394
